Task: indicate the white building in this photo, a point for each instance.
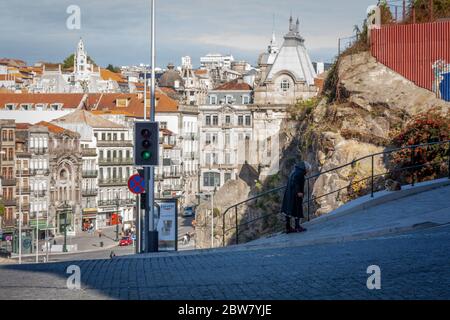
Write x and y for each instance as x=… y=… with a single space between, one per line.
x=287 y=74
x=215 y=60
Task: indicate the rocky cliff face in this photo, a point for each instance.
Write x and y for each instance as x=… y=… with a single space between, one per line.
x=377 y=103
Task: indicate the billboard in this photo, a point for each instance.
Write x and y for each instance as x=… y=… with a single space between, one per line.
x=168 y=224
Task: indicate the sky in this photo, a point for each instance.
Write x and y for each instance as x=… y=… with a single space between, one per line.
x=118 y=31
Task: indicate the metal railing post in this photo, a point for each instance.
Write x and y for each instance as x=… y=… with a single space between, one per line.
x=237 y=226
x=371 y=194
x=448 y=153
x=307 y=197
x=413 y=150
x=223 y=229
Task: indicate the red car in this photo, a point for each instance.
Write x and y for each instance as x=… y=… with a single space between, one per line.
x=125 y=241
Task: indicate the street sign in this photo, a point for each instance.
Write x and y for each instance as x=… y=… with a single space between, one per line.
x=136 y=184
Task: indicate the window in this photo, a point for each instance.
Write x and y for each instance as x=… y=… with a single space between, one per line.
x=240 y=120
x=208 y=139
x=269 y=147
x=227 y=139
x=208 y=158
x=227 y=158
x=25 y=107
x=245 y=99
x=115 y=136
x=212 y=99
x=248 y=121
x=211 y=179
x=229 y=99
x=4 y=135
x=9 y=106
x=11 y=135
x=54 y=107
x=228 y=119
x=208 y=120
x=163 y=125
x=227 y=176
x=122 y=136
x=215 y=120
x=214 y=138
x=103 y=136
x=285 y=85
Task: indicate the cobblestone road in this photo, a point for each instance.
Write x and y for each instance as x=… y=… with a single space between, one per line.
x=413 y=266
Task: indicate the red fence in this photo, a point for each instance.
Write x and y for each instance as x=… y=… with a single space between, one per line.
x=419 y=52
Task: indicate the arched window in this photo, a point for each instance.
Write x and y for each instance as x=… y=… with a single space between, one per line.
x=285 y=85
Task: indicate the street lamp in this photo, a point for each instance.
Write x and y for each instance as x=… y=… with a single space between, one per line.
x=65 y=226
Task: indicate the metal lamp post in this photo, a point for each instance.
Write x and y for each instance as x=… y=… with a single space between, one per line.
x=117 y=213
x=65 y=227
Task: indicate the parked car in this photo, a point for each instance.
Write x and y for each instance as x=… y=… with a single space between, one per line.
x=188 y=212
x=5 y=253
x=125 y=241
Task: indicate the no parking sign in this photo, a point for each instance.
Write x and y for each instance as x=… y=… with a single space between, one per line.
x=136 y=184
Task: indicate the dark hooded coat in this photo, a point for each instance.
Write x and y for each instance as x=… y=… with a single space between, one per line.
x=292 y=203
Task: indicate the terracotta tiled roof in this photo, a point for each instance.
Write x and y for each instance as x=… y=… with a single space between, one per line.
x=83 y=116
x=68 y=100
x=235 y=85
x=23 y=126
x=108 y=75
x=57 y=129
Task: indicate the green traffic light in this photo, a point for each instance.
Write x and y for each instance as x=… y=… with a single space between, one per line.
x=146 y=155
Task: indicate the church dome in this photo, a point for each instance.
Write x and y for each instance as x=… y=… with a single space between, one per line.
x=171 y=78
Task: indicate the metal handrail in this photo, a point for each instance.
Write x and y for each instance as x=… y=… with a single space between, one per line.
x=309 y=178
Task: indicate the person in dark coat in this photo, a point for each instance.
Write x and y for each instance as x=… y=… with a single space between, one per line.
x=292 y=205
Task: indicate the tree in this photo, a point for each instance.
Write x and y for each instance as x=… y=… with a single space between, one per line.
x=111 y=68
x=70 y=61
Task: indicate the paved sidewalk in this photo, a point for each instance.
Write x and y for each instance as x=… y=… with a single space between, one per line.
x=413 y=266
x=427 y=209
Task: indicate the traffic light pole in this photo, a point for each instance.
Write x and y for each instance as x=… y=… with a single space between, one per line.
x=150 y=229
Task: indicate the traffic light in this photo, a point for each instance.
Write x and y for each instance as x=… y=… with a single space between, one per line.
x=146 y=144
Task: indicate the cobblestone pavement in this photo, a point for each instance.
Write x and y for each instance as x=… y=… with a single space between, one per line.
x=413 y=266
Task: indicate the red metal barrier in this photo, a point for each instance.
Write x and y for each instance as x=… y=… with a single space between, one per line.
x=414 y=51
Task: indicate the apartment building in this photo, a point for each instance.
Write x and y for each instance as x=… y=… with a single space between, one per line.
x=226 y=132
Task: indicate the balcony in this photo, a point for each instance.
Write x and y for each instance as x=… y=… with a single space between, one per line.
x=89 y=152
x=8 y=182
x=173 y=174
x=113 y=182
x=23 y=190
x=89 y=174
x=114 y=143
x=116 y=161
x=39 y=151
x=190 y=156
x=190 y=136
x=89 y=192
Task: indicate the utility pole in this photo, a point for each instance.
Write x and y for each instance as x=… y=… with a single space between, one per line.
x=20 y=215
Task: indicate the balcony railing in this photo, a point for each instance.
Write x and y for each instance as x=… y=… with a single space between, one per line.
x=89 y=192
x=89 y=174
x=9 y=202
x=39 y=193
x=173 y=174
x=116 y=161
x=8 y=182
x=114 y=143
x=23 y=173
x=115 y=202
x=43 y=172
x=190 y=156
x=39 y=151
x=89 y=152
x=113 y=182
x=190 y=136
